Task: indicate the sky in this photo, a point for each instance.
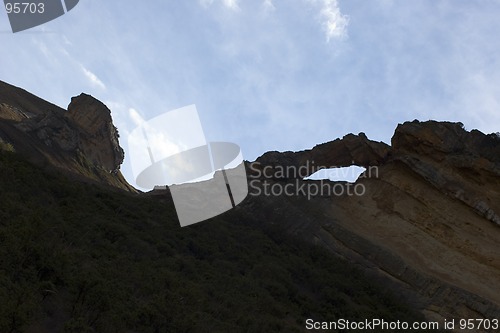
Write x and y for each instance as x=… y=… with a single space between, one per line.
x=269 y=74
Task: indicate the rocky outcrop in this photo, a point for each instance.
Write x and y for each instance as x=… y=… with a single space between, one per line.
x=463 y=165
x=82 y=141
x=9 y=112
x=350 y=150
x=442 y=141
x=52 y=130
x=98 y=137
x=426 y=222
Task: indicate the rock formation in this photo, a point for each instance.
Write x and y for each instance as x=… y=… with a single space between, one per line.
x=98 y=136
x=82 y=141
x=426 y=224
x=350 y=150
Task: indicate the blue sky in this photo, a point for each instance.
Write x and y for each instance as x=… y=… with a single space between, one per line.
x=270 y=74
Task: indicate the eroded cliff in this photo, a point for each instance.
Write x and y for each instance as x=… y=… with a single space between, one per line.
x=426 y=222
x=82 y=141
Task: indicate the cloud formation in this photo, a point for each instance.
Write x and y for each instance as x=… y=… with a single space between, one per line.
x=333 y=21
x=231 y=4
x=94 y=80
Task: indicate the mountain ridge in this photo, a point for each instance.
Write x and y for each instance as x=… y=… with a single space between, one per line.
x=426 y=224
x=81 y=141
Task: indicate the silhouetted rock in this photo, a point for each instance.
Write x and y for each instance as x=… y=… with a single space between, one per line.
x=350 y=150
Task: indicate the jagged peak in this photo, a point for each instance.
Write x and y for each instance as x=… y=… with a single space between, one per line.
x=81 y=140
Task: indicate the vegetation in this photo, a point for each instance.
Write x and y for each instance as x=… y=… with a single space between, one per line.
x=76 y=257
x=6 y=146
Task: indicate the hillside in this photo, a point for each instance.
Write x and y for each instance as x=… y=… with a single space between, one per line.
x=415 y=237
x=77 y=257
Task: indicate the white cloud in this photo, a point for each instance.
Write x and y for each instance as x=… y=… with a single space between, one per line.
x=231 y=4
x=94 y=80
x=334 y=22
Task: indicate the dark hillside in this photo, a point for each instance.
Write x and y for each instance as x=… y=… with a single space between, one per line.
x=76 y=257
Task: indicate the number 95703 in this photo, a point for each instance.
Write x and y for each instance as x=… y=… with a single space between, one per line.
x=25 y=7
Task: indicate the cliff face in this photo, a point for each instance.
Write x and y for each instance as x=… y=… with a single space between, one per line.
x=426 y=221
x=81 y=141
x=462 y=165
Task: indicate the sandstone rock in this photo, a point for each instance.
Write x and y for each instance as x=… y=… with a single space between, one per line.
x=427 y=226
x=98 y=135
x=81 y=142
